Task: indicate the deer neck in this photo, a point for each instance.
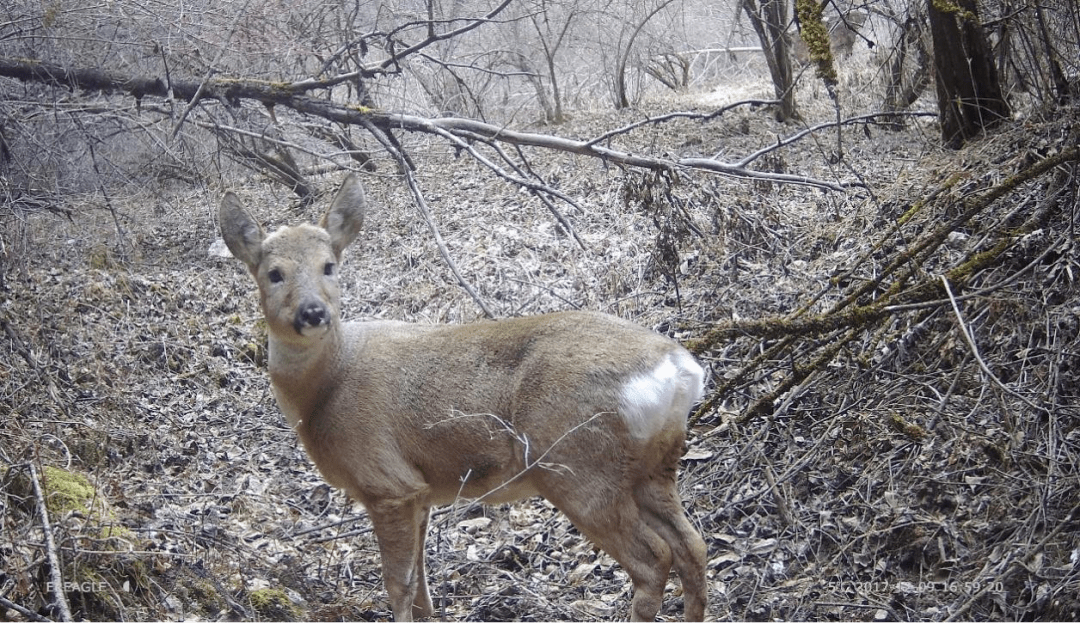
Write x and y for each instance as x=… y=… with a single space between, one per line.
x=303 y=373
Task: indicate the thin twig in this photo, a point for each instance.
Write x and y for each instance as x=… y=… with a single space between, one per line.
x=541 y=196
x=778 y=496
x=679 y=115
x=421 y=205
x=746 y=160
x=1013 y=564
x=970 y=340
x=537 y=189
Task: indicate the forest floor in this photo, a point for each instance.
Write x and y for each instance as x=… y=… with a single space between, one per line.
x=910 y=475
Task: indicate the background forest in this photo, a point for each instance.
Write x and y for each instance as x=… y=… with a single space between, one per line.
x=860 y=216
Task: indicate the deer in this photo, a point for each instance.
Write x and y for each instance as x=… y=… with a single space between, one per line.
x=582 y=408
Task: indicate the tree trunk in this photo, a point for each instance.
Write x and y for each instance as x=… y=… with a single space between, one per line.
x=769 y=21
x=969 y=94
x=909 y=70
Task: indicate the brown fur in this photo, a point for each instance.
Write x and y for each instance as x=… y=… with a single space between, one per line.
x=584 y=409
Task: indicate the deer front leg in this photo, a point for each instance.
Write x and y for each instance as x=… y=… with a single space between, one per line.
x=400 y=525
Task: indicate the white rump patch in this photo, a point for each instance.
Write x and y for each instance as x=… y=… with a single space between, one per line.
x=652 y=400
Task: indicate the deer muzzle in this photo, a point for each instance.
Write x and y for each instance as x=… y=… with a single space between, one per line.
x=311 y=315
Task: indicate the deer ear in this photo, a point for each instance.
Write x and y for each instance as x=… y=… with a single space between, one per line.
x=346 y=214
x=243 y=235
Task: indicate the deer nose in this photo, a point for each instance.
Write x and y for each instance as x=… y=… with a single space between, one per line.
x=311 y=314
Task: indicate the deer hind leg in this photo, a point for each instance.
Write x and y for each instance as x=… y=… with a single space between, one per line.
x=400 y=526
x=662 y=509
x=619 y=527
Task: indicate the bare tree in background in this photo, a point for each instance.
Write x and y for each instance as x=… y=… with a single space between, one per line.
x=908 y=64
x=546 y=33
x=769 y=19
x=671 y=69
x=969 y=94
x=622 y=100
x=1036 y=49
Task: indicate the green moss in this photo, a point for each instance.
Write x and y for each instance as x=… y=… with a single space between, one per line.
x=911 y=212
x=945 y=6
x=116 y=531
x=948 y=7
x=815 y=34
x=274 y=605
x=910 y=429
x=67 y=491
x=101 y=257
x=203 y=596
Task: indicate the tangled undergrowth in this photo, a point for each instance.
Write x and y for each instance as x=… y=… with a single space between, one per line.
x=878 y=443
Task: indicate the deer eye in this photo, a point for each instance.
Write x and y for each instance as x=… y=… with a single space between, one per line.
x=328 y=268
x=275 y=276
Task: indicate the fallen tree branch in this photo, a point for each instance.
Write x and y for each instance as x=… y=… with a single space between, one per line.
x=292 y=95
x=680 y=115
x=897 y=295
x=926 y=291
x=469 y=128
x=56 y=579
x=863 y=119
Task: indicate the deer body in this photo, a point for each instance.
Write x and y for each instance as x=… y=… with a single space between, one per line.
x=584 y=409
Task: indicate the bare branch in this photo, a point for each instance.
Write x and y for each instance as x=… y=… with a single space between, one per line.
x=434 y=38
x=26 y=613
x=56 y=580
x=869 y=118
x=969 y=338
x=680 y=115
x=209 y=72
x=537 y=188
x=283 y=94
x=469 y=128
x=421 y=204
